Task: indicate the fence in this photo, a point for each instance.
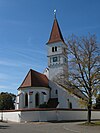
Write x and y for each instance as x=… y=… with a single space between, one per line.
x=47 y=115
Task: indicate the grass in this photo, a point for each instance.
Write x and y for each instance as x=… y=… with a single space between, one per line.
x=96 y=123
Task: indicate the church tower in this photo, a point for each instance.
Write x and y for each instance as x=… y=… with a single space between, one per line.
x=57 y=52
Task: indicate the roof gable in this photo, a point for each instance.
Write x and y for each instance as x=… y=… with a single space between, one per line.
x=56 y=35
x=34 y=79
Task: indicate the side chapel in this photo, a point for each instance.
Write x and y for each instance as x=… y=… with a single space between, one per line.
x=38 y=89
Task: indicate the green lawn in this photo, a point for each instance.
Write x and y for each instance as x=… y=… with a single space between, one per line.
x=96 y=123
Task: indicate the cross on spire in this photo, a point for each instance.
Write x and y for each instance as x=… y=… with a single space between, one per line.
x=55 y=13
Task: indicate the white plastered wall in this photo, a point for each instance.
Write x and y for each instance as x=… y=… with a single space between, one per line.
x=13 y=116
x=48 y=115
x=59 y=66
x=63 y=96
x=31 y=98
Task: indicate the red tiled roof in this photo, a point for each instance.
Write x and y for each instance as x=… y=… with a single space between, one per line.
x=35 y=79
x=56 y=35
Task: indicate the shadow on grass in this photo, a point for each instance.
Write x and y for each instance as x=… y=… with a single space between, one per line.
x=96 y=123
x=67 y=121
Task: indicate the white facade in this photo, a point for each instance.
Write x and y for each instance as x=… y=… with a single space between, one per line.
x=46 y=72
x=63 y=97
x=43 y=97
x=57 y=59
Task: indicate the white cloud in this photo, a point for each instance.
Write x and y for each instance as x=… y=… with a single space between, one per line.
x=27 y=57
x=4 y=77
x=18 y=64
x=25 y=51
x=3 y=87
x=8 y=63
x=13 y=63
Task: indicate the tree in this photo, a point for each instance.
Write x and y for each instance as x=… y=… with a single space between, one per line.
x=84 y=67
x=7 y=101
x=97 y=105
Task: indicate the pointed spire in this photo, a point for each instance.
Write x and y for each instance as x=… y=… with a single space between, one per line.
x=56 y=35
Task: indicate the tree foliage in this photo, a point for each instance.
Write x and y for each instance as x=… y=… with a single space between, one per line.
x=84 y=72
x=84 y=67
x=7 y=101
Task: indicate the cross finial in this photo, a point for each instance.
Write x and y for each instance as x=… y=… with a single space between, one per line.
x=55 y=13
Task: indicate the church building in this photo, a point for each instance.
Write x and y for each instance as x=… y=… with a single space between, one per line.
x=38 y=90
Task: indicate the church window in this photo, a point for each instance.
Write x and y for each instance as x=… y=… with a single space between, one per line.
x=37 y=99
x=54 y=59
x=52 y=49
x=26 y=100
x=55 y=48
x=50 y=60
x=44 y=93
x=56 y=91
x=69 y=104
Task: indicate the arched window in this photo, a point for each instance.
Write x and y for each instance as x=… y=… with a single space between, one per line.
x=55 y=48
x=52 y=49
x=26 y=100
x=37 y=99
x=69 y=104
x=56 y=91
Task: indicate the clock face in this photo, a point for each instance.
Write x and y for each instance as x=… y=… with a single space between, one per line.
x=54 y=59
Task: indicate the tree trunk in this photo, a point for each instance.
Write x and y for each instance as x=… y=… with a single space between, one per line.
x=89 y=115
x=89 y=110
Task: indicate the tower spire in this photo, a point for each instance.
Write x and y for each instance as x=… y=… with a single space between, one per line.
x=56 y=35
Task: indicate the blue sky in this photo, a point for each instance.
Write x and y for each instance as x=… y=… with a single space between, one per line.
x=25 y=27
